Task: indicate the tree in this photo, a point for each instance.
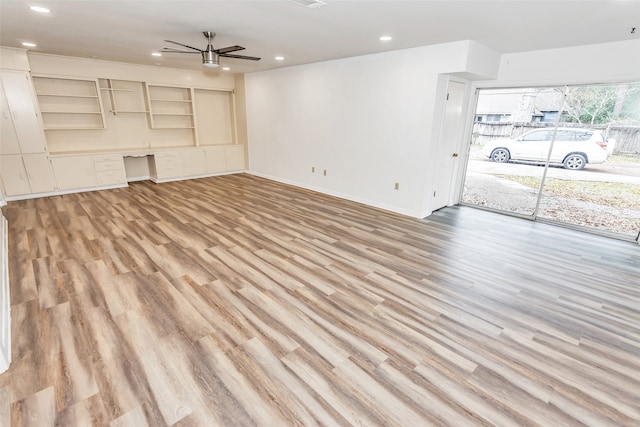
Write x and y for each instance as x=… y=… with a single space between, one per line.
x=602 y=104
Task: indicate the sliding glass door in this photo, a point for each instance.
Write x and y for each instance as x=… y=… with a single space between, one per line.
x=568 y=154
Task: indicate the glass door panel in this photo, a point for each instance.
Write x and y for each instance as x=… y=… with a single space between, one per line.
x=510 y=142
x=583 y=142
x=594 y=177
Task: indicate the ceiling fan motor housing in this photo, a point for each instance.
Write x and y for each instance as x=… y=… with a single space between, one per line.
x=210 y=58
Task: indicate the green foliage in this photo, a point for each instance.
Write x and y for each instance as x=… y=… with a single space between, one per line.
x=603 y=104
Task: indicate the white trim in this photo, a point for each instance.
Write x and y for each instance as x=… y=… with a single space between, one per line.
x=367 y=202
x=184 y=178
x=5 y=301
x=61 y=192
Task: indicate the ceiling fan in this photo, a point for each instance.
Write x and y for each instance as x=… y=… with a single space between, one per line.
x=210 y=56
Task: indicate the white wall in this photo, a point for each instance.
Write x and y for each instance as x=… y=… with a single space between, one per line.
x=369 y=121
x=374 y=120
x=600 y=63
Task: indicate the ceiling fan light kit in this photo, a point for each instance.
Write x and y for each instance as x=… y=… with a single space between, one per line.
x=210 y=59
x=210 y=56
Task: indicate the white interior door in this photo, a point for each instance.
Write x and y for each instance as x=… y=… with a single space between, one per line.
x=449 y=144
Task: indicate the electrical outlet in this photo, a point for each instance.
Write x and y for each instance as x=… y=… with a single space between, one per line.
x=313 y=169
x=325 y=172
x=397 y=186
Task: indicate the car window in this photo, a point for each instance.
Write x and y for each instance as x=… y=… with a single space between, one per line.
x=565 y=135
x=583 y=136
x=538 y=135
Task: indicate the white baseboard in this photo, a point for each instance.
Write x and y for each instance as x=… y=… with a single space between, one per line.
x=339 y=195
x=184 y=178
x=5 y=302
x=61 y=192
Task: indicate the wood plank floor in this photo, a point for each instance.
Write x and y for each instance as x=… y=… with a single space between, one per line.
x=238 y=301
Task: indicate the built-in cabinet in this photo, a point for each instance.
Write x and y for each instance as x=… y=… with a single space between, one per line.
x=24 y=163
x=196 y=162
x=21 y=127
x=109 y=169
x=66 y=134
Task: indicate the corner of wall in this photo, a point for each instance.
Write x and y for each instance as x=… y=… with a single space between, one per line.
x=14 y=59
x=241 y=108
x=482 y=63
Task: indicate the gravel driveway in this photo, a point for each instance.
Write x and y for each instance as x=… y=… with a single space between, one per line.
x=484 y=188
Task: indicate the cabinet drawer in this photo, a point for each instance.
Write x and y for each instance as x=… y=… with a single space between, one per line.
x=111 y=177
x=107 y=158
x=165 y=158
x=168 y=171
x=108 y=165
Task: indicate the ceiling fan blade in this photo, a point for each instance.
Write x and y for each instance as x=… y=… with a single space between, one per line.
x=172 y=50
x=184 y=45
x=251 y=58
x=229 y=49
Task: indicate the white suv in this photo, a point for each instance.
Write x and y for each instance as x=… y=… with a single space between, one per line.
x=573 y=148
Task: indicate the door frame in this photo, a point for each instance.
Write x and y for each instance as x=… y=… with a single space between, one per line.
x=462 y=176
x=459 y=147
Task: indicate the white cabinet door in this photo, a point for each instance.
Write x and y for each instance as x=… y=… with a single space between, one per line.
x=74 y=172
x=39 y=173
x=216 y=161
x=234 y=157
x=193 y=162
x=21 y=102
x=14 y=176
x=8 y=138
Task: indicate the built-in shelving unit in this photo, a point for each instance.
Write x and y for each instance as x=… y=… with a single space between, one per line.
x=84 y=115
x=170 y=107
x=125 y=96
x=69 y=104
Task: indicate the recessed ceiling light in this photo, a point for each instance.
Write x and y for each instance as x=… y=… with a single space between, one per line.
x=226 y=68
x=156 y=54
x=28 y=44
x=311 y=4
x=40 y=9
x=279 y=58
x=386 y=38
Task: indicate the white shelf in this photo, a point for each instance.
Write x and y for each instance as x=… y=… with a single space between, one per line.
x=174 y=127
x=171 y=100
x=70 y=112
x=69 y=104
x=129 y=111
x=109 y=89
x=172 y=114
x=62 y=95
x=70 y=128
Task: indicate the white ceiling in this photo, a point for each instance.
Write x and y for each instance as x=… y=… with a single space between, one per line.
x=128 y=31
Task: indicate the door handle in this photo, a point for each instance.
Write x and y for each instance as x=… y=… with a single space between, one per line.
x=454 y=155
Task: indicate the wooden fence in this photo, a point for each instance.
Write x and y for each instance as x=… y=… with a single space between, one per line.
x=627 y=137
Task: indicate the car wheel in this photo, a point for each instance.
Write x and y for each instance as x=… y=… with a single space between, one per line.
x=575 y=161
x=500 y=155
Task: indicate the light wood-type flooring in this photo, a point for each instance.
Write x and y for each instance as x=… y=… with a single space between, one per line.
x=237 y=301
